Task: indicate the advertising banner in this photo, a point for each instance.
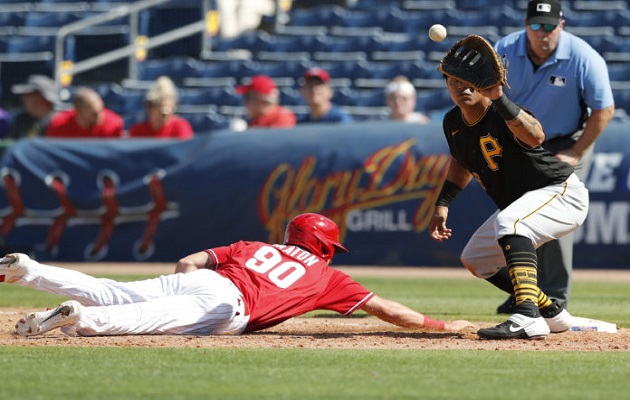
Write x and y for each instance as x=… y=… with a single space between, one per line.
x=159 y=200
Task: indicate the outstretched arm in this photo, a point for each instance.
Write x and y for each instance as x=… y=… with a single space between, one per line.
x=525 y=127
x=194 y=262
x=403 y=316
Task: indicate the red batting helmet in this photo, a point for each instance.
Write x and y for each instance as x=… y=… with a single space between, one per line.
x=316 y=233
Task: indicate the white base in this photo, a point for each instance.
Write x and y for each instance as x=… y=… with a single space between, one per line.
x=581 y=324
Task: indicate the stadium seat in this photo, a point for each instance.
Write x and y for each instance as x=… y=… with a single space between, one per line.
x=290 y=96
x=369 y=98
x=237 y=69
x=11 y=20
x=173 y=15
x=50 y=19
x=322 y=15
x=31 y=44
x=599 y=5
x=251 y=41
x=619 y=71
x=280 y=69
x=432 y=100
x=176 y=68
x=346 y=69
x=206 y=123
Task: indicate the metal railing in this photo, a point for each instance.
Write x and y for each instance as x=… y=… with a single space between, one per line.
x=132 y=10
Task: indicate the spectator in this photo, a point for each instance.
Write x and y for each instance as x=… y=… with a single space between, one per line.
x=565 y=83
x=262 y=98
x=88 y=119
x=318 y=93
x=39 y=99
x=160 y=103
x=5 y=122
x=400 y=97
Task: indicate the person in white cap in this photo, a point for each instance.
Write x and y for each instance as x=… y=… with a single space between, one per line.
x=317 y=92
x=400 y=97
x=39 y=99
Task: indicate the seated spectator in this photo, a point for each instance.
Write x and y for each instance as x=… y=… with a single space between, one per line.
x=400 y=97
x=88 y=119
x=160 y=103
x=5 y=122
x=39 y=99
x=317 y=93
x=262 y=98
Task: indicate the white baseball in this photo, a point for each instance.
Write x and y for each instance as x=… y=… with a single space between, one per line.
x=437 y=32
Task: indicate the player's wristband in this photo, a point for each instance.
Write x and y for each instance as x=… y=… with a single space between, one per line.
x=447 y=194
x=433 y=323
x=506 y=108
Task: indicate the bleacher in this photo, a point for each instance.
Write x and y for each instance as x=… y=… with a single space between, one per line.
x=362 y=43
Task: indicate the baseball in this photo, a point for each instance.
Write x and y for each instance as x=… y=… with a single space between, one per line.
x=437 y=32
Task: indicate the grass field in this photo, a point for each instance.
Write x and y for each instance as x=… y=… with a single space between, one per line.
x=66 y=372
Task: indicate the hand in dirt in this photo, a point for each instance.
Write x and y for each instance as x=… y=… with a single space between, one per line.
x=458 y=325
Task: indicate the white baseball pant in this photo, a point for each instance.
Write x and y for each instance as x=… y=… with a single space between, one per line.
x=541 y=215
x=201 y=302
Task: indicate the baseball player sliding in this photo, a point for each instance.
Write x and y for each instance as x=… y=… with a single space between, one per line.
x=243 y=287
x=539 y=198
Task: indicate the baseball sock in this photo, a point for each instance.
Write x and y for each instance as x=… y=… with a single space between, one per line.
x=521 y=260
x=502 y=280
x=543 y=299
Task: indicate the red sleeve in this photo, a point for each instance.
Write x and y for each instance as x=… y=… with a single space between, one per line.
x=343 y=294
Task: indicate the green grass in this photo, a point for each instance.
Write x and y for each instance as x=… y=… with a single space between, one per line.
x=158 y=373
x=147 y=373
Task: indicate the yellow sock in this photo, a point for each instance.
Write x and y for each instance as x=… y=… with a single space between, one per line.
x=543 y=299
x=525 y=282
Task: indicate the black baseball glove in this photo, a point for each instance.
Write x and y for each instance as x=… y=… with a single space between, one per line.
x=474 y=61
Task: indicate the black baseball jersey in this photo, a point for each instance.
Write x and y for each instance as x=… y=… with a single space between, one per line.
x=505 y=167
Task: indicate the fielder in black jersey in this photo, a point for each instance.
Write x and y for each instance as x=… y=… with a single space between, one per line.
x=539 y=199
x=505 y=167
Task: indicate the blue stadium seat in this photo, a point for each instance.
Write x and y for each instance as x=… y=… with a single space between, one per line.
x=325 y=15
x=432 y=100
x=286 y=69
x=237 y=69
x=12 y=19
x=207 y=122
x=346 y=69
x=310 y=44
x=619 y=71
x=369 y=98
x=384 y=17
x=215 y=96
x=252 y=41
x=30 y=44
x=176 y=68
x=50 y=19
x=291 y=97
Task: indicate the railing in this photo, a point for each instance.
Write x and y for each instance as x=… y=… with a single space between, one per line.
x=65 y=69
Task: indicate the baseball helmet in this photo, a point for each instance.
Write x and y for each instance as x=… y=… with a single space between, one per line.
x=315 y=233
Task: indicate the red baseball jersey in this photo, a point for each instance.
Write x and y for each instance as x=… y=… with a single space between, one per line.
x=64 y=125
x=279 y=282
x=175 y=127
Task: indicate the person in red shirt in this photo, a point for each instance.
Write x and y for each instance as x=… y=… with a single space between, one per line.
x=88 y=119
x=162 y=122
x=243 y=287
x=262 y=103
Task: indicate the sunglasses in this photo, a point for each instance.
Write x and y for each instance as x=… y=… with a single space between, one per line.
x=546 y=27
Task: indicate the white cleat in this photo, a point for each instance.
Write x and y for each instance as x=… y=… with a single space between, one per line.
x=557 y=317
x=67 y=313
x=13 y=267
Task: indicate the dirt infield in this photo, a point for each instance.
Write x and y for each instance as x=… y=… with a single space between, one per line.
x=349 y=333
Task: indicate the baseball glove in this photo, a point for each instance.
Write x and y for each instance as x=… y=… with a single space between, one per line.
x=474 y=61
